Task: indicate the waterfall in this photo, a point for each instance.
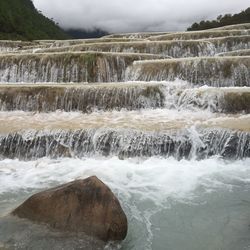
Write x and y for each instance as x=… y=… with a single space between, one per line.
x=204 y=34
x=243 y=52
x=162 y=118
x=226 y=100
x=163 y=48
x=211 y=71
x=13 y=46
x=226 y=44
x=85 y=98
x=135 y=35
x=66 y=67
x=130 y=96
x=124 y=143
x=172 y=48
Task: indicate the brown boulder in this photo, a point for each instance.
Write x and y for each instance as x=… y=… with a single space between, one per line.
x=80 y=206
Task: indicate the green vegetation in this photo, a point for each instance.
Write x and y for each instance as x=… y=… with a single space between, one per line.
x=19 y=20
x=228 y=19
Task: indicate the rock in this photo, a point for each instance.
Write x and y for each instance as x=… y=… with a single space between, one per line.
x=80 y=206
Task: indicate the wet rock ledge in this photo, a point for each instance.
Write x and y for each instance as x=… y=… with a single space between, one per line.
x=87 y=206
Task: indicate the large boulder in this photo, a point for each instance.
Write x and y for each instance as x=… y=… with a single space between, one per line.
x=80 y=206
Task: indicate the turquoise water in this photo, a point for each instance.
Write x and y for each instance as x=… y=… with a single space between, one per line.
x=170 y=204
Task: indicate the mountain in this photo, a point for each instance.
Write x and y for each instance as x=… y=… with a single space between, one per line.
x=19 y=19
x=228 y=19
x=83 y=34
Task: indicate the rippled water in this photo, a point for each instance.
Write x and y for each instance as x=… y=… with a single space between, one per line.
x=146 y=120
x=170 y=204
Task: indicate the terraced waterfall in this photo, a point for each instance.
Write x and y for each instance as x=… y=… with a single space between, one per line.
x=162 y=118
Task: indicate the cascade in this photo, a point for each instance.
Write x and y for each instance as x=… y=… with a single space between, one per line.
x=81 y=97
x=226 y=100
x=162 y=48
x=194 y=35
x=230 y=43
x=116 y=96
x=135 y=35
x=66 y=67
x=243 y=52
x=163 y=118
x=211 y=71
x=167 y=48
x=11 y=46
x=123 y=143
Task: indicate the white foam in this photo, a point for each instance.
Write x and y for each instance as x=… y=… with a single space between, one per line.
x=154 y=180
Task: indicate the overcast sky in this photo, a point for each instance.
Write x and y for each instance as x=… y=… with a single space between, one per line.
x=136 y=15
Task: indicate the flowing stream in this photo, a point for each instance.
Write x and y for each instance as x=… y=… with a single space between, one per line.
x=170 y=137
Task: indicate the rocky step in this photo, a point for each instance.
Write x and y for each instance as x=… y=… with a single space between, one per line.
x=81 y=97
x=243 y=26
x=10 y=46
x=243 y=52
x=174 y=48
x=63 y=43
x=20 y=46
x=146 y=133
x=203 y=34
x=67 y=67
x=211 y=71
x=224 y=99
x=141 y=35
x=163 y=48
x=230 y=43
x=73 y=42
x=116 y=96
x=59 y=43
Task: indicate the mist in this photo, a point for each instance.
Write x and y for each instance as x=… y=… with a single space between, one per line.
x=132 y=16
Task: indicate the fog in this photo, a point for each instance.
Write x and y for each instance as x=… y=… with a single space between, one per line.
x=135 y=15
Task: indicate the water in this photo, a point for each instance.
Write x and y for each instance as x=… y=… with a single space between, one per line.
x=205 y=34
x=87 y=98
x=80 y=97
x=174 y=45
x=211 y=71
x=174 y=146
x=66 y=67
x=167 y=207
x=145 y=133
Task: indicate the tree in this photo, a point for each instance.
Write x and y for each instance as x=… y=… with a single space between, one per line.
x=19 y=19
x=228 y=19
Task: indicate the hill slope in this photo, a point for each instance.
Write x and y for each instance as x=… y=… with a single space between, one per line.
x=228 y=19
x=19 y=19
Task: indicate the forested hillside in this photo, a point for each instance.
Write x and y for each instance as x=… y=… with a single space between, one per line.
x=228 y=19
x=19 y=19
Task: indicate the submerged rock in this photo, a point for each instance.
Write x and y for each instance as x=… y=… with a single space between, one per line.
x=80 y=206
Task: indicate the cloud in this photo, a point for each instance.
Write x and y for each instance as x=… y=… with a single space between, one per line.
x=135 y=15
